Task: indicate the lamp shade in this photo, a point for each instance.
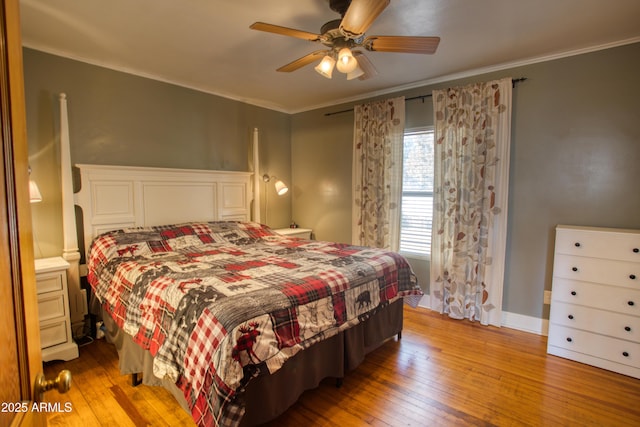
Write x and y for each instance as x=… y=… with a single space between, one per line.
x=346 y=62
x=357 y=72
x=281 y=188
x=325 y=67
x=34 y=192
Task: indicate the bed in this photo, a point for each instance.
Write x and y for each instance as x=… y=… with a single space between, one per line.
x=231 y=317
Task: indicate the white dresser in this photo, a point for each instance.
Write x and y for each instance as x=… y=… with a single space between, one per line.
x=303 y=233
x=56 y=339
x=595 y=302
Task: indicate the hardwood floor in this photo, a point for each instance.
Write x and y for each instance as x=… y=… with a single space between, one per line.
x=485 y=376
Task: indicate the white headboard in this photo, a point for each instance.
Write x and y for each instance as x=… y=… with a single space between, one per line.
x=113 y=197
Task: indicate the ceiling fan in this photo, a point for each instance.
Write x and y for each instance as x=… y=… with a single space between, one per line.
x=345 y=36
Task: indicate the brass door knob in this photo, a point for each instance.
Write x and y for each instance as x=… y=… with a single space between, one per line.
x=62 y=383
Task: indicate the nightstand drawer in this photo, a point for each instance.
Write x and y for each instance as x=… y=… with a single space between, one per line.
x=50 y=307
x=49 y=283
x=53 y=310
x=53 y=333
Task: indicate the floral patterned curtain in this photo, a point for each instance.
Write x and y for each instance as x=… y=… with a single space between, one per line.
x=377 y=173
x=471 y=182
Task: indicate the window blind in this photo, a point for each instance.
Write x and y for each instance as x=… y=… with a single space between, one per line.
x=417 y=192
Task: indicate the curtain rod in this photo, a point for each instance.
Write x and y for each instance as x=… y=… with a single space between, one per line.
x=422 y=97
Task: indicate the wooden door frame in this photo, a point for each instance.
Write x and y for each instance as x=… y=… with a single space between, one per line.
x=18 y=210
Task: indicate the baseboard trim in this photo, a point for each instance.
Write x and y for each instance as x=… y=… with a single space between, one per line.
x=524 y=323
x=520 y=322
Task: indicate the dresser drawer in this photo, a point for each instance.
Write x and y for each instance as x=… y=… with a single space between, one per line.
x=51 y=306
x=53 y=333
x=597 y=321
x=599 y=346
x=618 y=273
x=48 y=282
x=620 y=300
x=598 y=243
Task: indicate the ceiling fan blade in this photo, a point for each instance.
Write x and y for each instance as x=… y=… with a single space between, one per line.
x=360 y=15
x=276 y=29
x=365 y=65
x=301 y=62
x=402 y=44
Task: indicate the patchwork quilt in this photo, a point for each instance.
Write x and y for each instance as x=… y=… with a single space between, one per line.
x=218 y=303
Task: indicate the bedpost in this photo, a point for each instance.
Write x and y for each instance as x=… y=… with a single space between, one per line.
x=256 y=177
x=70 y=252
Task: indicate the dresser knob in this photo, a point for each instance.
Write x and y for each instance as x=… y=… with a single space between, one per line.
x=575 y=268
x=574 y=293
x=627 y=328
x=636 y=250
x=625 y=353
x=631 y=303
x=570 y=316
x=577 y=244
x=632 y=276
x=569 y=339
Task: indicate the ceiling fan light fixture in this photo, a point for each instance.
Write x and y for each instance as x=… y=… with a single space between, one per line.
x=325 y=67
x=346 y=37
x=346 y=62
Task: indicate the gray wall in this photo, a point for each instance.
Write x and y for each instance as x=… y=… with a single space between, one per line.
x=575 y=159
x=117 y=118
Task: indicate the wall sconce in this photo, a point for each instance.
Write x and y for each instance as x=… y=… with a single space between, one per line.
x=34 y=192
x=281 y=187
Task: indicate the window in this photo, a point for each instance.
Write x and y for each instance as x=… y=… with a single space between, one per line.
x=417 y=192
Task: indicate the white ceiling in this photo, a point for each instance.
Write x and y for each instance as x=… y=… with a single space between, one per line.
x=207 y=44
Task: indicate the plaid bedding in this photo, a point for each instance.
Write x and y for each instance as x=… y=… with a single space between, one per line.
x=218 y=303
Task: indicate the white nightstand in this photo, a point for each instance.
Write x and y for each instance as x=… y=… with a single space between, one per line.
x=56 y=339
x=303 y=233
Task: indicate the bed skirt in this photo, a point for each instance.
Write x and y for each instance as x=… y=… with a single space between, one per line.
x=268 y=396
